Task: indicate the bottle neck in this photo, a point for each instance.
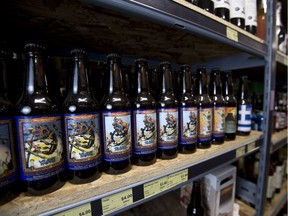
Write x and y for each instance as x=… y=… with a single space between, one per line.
x=243 y=89
x=196 y=194
x=278 y=14
x=142 y=78
x=166 y=77
x=186 y=81
x=201 y=82
x=36 y=81
x=229 y=86
x=115 y=77
x=80 y=76
x=216 y=86
x=3 y=78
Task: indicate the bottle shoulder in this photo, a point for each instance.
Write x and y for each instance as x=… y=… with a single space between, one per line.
x=115 y=101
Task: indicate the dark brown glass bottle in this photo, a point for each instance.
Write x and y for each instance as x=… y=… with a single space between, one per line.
x=39 y=129
x=244 y=111
x=154 y=82
x=187 y=114
x=230 y=108
x=204 y=131
x=82 y=125
x=218 y=116
x=8 y=171
x=167 y=116
x=251 y=16
x=207 y=5
x=222 y=9
x=237 y=13
x=261 y=20
x=195 y=207
x=143 y=118
x=270 y=182
x=116 y=121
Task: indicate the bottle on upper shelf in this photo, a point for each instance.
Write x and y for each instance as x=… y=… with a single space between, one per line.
x=222 y=9
x=116 y=121
x=204 y=131
x=251 y=16
x=207 y=5
x=144 y=122
x=82 y=125
x=39 y=129
x=187 y=113
x=244 y=110
x=167 y=115
x=237 y=13
x=261 y=20
x=280 y=31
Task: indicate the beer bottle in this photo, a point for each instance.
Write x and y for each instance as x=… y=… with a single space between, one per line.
x=143 y=118
x=187 y=114
x=251 y=16
x=261 y=20
x=8 y=172
x=204 y=132
x=153 y=77
x=167 y=115
x=82 y=125
x=270 y=182
x=218 y=114
x=237 y=13
x=207 y=5
x=222 y=9
x=230 y=108
x=195 y=207
x=116 y=121
x=39 y=129
x=244 y=108
x=280 y=31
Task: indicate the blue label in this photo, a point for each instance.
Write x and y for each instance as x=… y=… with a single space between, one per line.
x=144 y=131
x=117 y=135
x=7 y=157
x=82 y=140
x=244 y=118
x=40 y=146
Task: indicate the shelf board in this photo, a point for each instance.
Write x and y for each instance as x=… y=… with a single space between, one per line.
x=279 y=139
x=143 y=183
x=282 y=58
x=155 y=30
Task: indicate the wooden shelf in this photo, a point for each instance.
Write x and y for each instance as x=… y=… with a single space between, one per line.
x=279 y=139
x=165 y=175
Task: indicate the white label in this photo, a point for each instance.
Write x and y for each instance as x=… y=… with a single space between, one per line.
x=270 y=187
x=221 y=4
x=278 y=176
x=237 y=9
x=250 y=13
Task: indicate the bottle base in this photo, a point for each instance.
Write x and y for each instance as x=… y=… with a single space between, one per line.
x=167 y=153
x=187 y=149
x=145 y=160
x=203 y=145
x=84 y=176
x=217 y=141
x=240 y=133
x=115 y=168
x=8 y=193
x=230 y=137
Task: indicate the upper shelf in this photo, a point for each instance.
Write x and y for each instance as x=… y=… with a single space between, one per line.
x=278 y=140
x=282 y=58
x=159 y=30
x=112 y=193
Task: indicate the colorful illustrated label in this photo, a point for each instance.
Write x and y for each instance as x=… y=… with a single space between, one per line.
x=218 y=122
x=205 y=124
x=230 y=119
x=167 y=128
x=145 y=133
x=40 y=146
x=244 y=118
x=7 y=157
x=82 y=140
x=117 y=135
x=188 y=125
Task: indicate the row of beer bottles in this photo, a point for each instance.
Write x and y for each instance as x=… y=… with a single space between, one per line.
x=38 y=122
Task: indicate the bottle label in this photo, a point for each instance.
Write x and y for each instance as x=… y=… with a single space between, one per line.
x=250 y=13
x=117 y=135
x=230 y=119
x=237 y=9
x=82 y=140
x=221 y=4
x=145 y=133
x=7 y=153
x=244 y=118
x=167 y=128
x=270 y=187
x=278 y=176
x=218 y=122
x=40 y=146
x=188 y=125
x=205 y=124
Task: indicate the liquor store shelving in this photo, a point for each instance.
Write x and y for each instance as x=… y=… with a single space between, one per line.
x=110 y=193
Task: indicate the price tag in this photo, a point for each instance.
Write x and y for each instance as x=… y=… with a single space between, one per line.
x=231 y=34
x=240 y=151
x=155 y=187
x=251 y=147
x=177 y=178
x=83 y=210
x=117 y=201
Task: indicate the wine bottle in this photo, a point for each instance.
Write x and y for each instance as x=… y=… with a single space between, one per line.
x=195 y=207
x=251 y=16
x=237 y=13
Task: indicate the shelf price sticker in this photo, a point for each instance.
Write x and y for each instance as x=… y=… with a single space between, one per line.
x=231 y=34
x=155 y=187
x=240 y=151
x=117 y=201
x=177 y=178
x=251 y=147
x=83 y=210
